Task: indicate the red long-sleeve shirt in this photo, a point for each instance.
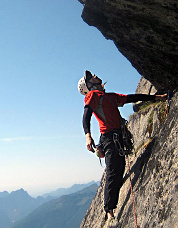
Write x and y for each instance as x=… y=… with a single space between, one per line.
x=105 y=108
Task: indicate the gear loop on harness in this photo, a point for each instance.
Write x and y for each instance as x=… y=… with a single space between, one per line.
x=125 y=137
x=117 y=144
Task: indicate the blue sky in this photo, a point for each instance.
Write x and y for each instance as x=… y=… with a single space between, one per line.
x=45 y=47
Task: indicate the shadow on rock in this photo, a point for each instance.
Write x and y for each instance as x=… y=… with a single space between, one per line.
x=138 y=169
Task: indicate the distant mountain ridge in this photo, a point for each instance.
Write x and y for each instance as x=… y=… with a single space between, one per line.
x=3 y=194
x=64 y=212
x=18 y=204
x=65 y=191
x=15 y=205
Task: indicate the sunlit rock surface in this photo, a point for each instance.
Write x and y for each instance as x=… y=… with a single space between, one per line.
x=153 y=173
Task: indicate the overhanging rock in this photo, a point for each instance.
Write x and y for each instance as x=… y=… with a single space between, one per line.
x=145 y=32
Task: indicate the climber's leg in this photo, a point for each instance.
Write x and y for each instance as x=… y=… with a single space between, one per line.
x=115 y=166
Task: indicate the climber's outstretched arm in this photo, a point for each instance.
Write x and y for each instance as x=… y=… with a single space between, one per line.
x=144 y=97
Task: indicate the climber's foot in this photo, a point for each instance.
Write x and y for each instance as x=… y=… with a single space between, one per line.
x=110 y=214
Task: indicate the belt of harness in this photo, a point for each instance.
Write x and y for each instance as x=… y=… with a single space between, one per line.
x=127 y=139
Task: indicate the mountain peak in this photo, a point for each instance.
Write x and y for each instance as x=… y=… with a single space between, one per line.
x=19 y=192
x=3 y=194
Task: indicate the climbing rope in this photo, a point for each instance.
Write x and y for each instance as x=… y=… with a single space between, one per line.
x=128 y=147
x=131 y=189
x=127 y=158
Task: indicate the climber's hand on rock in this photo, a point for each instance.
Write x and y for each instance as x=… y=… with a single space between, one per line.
x=161 y=97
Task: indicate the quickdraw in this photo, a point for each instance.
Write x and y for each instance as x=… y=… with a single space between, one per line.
x=169 y=95
x=118 y=145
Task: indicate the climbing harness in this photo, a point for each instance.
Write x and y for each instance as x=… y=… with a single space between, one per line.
x=117 y=144
x=127 y=139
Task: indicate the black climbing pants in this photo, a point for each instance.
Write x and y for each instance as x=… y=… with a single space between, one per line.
x=115 y=166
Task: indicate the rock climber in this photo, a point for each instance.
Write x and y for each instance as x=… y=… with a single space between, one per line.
x=105 y=108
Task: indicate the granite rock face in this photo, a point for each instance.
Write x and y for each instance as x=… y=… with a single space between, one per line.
x=145 y=32
x=145 y=87
x=153 y=174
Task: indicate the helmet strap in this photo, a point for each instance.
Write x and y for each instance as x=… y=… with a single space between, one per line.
x=93 y=87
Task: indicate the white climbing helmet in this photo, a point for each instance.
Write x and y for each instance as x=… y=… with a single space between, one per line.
x=82 y=87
